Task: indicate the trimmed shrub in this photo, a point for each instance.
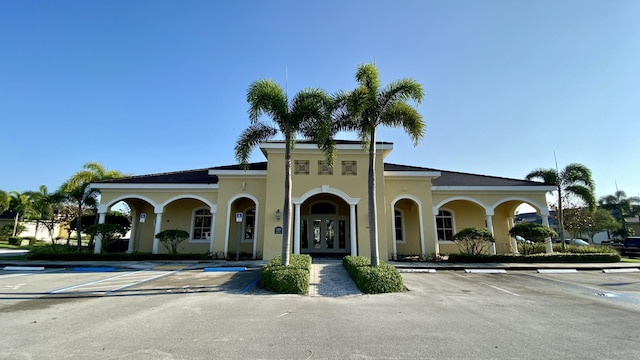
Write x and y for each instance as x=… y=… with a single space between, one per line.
x=537 y=258
x=536 y=233
x=71 y=253
x=292 y=279
x=171 y=238
x=473 y=240
x=373 y=279
x=15 y=240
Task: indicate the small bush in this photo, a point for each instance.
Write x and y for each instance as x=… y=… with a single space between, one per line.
x=171 y=238
x=15 y=240
x=373 y=279
x=473 y=240
x=32 y=240
x=292 y=279
x=71 y=253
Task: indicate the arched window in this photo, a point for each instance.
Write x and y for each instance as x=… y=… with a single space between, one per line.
x=398 y=219
x=444 y=224
x=201 y=225
x=249 y=225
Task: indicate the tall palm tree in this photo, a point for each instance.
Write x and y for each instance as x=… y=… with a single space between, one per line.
x=575 y=179
x=369 y=106
x=625 y=206
x=77 y=189
x=266 y=97
x=20 y=203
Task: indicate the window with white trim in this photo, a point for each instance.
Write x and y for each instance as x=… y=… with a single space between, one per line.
x=398 y=219
x=444 y=224
x=249 y=225
x=201 y=226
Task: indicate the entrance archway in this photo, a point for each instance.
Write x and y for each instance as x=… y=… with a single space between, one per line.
x=325 y=225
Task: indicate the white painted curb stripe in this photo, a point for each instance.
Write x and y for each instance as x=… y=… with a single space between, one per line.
x=24 y=268
x=626 y=270
x=485 y=271
x=417 y=270
x=557 y=271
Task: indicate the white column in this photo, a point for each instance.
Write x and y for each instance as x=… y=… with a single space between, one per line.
x=211 y=229
x=352 y=229
x=98 y=246
x=547 y=241
x=492 y=247
x=422 y=244
x=296 y=229
x=158 y=225
x=394 y=240
x=132 y=231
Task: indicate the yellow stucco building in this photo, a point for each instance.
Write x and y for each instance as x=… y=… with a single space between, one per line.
x=226 y=208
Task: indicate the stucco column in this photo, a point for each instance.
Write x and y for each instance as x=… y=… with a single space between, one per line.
x=394 y=239
x=492 y=247
x=213 y=221
x=158 y=225
x=352 y=229
x=132 y=231
x=296 y=229
x=547 y=242
x=98 y=246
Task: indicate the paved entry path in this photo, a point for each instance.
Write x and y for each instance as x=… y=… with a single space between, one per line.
x=329 y=278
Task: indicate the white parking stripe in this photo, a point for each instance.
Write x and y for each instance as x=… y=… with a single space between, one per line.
x=143 y=281
x=89 y=283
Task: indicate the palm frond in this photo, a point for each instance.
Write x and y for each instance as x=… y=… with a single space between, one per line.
x=250 y=137
x=401 y=91
x=577 y=173
x=267 y=97
x=402 y=115
x=368 y=77
x=548 y=176
x=584 y=193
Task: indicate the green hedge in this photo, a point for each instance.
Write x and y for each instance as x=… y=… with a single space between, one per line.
x=538 y=258
x=71 y=253
x=292 y=279
x=373 y=279
x=15 y=240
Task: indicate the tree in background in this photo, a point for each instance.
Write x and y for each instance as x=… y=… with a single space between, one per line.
x=20 y=204
x=288 y=118
x=44 y=205
x=5 y=200
x=369 y=106
x=622 y=207
x=575 y=180
x=77 y=189
x=532 y=232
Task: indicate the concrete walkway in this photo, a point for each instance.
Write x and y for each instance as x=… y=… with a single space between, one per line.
x=329 y=278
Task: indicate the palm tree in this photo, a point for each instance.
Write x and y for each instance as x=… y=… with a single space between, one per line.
x=288 y=118
x=575 y=179
x=625 y=206
x=369 y=106
x=43 y=205
x=77 y=189
x=20 y=203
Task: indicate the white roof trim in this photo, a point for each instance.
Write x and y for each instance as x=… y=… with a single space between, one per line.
x=238 y=172
x=413 y=173
x=153 y=186
x=493 y=188
x=305 y=146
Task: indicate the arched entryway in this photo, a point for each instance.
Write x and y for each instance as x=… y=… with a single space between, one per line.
x=324 y=225
x=242 y=224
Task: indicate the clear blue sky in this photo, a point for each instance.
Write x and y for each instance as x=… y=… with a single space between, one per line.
x=154 y=86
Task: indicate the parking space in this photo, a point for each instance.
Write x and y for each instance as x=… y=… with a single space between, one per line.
x=60 y=283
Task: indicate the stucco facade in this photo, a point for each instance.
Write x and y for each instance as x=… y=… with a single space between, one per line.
x=418 y=208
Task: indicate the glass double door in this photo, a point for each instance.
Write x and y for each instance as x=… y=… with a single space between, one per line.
x=324 y=234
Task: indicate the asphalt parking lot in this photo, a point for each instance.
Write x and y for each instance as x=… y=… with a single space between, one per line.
x=191 y=314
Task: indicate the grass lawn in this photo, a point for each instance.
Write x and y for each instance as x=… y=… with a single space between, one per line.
x=630 y=260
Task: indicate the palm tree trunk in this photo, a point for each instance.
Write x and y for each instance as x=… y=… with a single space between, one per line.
x=373 y=209
x=15 y=224
x=561 y=220
x=79 y=224
x=286 y=209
